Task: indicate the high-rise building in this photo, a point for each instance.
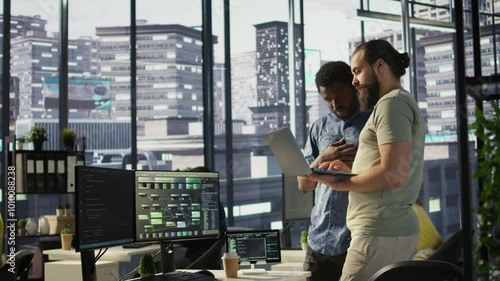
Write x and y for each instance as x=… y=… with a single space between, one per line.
x=169 y=71
x=440 y=78
x=243 y=85
x=35 y=57
x=273 y=105
x=445 y=14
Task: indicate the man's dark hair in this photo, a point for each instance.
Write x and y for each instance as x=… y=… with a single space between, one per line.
x=381 y=49
x=334 y=71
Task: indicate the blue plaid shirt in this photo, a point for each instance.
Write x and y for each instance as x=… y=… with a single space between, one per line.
x=328 y=233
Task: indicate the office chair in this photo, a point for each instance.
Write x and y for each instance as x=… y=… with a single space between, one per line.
x=22 y=260
x=451 y=250
x=418 y=271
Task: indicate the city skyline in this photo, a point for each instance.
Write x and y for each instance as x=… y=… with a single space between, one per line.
x=339 y=20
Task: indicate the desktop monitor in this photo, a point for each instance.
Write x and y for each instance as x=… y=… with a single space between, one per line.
x=176 y=205
x=254 y=245
x=105 y=207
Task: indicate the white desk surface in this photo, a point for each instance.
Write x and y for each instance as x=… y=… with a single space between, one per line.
x=270 y=275
x=117 y=253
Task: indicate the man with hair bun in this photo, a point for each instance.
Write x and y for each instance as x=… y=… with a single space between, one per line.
x=388 y=165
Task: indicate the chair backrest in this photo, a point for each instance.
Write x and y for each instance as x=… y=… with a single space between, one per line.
x=451 y=250
x=419 y=270
x=22 y=260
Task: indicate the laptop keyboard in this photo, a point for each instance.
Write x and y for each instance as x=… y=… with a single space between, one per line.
x=181 y=276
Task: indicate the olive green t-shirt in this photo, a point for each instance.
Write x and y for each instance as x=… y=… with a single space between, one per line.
x=395 y=118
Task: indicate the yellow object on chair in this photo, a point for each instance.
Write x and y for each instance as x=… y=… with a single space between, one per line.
x=429 y=239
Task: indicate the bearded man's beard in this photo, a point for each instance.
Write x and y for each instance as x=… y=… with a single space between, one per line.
x=369 y=95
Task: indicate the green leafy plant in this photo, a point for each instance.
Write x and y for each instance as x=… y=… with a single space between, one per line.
x=303 y=236
x=487 y=244
x=147 y=265
x=68 y=136
x=60 y=207
x=66 y=231
x=37 y=133
x=22 y=223
x=21 y=139
x=67 y=206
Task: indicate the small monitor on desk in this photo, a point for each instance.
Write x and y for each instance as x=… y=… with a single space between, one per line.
x=254 y=246
x=105 y=207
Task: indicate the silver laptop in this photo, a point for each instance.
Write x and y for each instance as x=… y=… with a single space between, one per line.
x=290 y=158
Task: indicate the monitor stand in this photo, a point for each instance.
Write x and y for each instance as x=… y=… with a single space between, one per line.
x=167 y=257
x=88 y=265
x=253 y=270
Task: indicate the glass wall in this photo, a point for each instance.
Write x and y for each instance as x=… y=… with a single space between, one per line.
x=98 y=80
x=170 y=82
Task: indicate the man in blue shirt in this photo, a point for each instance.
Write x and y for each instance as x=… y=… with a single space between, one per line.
x=334 y=136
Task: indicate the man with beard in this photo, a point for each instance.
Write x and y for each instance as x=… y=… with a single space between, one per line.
x=389 y=165
x=331 y=137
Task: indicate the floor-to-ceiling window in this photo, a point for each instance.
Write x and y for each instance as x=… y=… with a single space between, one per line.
x=99 y=87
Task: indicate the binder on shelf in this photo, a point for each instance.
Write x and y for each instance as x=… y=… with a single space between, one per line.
x=20 y=172
x=30 y=173
x=40 y=173
x=50 y=176
x=61 y=184
x=70 y=172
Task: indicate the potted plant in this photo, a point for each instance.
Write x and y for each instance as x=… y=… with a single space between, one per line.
x=21 y=224
x=67 y=210
x=147 y=266
x=59 y=211
x=303 y=239
x=68 y=136
x=487 y=244
x=37 y=135
x=66 y=236
x=20 y=142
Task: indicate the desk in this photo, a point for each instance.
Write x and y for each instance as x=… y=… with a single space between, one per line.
x=128 y=258
x=291 y=260
x=270 y=275
x=72 y=270
x=112 y=254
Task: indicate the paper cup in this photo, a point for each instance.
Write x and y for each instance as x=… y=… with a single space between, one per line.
x=230 y=262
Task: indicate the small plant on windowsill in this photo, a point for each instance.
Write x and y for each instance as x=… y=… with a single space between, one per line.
x=20 y=143
x=69 y=137
x=37 y=135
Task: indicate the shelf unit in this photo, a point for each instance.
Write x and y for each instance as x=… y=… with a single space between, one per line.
x=43 y=180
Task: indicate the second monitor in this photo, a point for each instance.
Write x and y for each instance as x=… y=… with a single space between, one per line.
x=175 y=205
x=253 y=246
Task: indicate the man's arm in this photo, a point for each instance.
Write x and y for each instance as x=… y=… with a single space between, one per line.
x=392 y=172
x=337 y=150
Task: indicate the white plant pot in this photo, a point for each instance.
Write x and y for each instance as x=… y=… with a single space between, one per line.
x=19 y=145
x=67 y=212
x=30 y=226
x=43 y=226
x=304 y=246
x=59 y=212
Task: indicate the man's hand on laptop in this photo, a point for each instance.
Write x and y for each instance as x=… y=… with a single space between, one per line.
x=335 y=165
